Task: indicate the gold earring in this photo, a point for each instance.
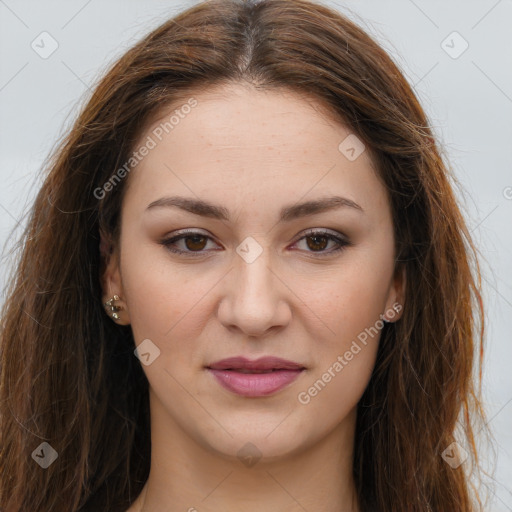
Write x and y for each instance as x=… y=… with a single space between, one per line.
x=113 y=308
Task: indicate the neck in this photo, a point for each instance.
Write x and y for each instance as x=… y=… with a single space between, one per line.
x=187 y=476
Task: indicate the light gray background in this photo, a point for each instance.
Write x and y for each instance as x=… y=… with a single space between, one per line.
x=468 y=99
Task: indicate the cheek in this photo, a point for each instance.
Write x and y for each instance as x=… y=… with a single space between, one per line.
x=345 y=357
x=346 y=301
x=348 y=305
x=164 y=301
x=335 y=391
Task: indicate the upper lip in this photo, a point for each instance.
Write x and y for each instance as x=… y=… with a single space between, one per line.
x=263 y=363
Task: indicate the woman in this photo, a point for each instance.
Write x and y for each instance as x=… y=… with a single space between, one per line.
x=245 y=284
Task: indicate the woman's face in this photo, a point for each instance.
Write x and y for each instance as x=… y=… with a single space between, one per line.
x=290 y=255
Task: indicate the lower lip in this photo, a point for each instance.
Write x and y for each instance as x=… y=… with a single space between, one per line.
x=255 y=384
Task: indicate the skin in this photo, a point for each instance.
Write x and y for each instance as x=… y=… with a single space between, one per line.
x=253 y=153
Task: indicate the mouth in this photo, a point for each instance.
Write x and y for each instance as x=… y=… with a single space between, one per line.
x=259 y=378
x=261 y=365
x=245 y=370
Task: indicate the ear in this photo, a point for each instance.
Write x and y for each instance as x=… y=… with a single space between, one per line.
x=111 y=281
x=396 y=296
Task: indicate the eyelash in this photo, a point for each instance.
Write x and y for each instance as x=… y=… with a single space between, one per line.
x=342 y=243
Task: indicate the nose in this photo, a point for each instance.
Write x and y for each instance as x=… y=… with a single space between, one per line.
x=256 y=301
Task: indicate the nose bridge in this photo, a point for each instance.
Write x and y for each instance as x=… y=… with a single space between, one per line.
x=254 y=303
x=254 y=280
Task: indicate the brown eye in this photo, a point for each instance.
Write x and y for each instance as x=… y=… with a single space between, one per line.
x=319 y=242
x=195 y=242
x=188 y=244
x=322 y=243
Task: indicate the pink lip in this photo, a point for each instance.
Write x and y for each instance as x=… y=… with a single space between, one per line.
x=228 y=374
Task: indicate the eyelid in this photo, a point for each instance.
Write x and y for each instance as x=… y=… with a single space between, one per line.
x=324 y=231
x=181 y=234
x=341 y=239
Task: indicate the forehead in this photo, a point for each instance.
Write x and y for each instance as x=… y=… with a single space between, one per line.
x=234 y=115
x=239 y=140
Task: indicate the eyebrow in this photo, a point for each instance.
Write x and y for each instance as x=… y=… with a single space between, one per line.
x=287 y=213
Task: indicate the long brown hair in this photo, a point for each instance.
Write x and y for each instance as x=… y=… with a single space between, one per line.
x=68 y=373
